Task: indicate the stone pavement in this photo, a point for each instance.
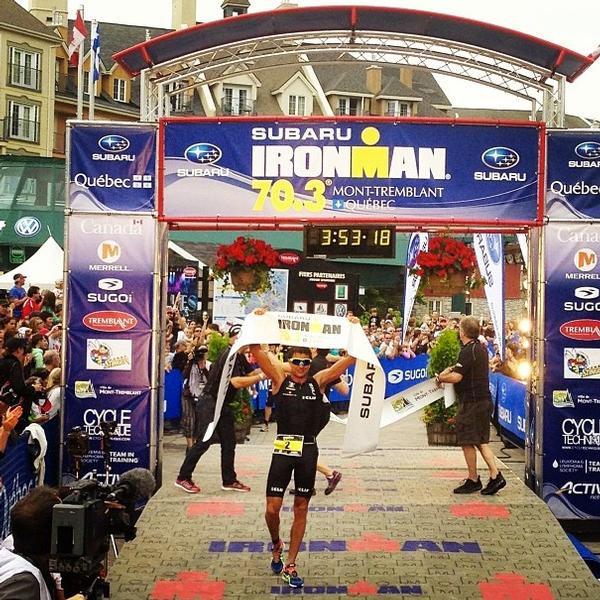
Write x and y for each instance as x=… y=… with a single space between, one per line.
x=392 y=528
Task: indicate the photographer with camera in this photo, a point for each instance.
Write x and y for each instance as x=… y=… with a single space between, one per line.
x=195 y=376
x=24 y=570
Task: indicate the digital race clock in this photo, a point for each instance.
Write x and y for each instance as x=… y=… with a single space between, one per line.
x=357 y=241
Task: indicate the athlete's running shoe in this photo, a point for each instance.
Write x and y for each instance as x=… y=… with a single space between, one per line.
x=276 y=562
x=291 y=577
x=332 y=482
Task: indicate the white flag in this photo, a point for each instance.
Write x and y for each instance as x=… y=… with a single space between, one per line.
x=490 y=260
x=419 y=242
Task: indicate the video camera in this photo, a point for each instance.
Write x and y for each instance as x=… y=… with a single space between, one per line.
x=83 y=523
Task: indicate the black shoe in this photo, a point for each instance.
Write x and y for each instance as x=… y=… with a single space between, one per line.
x=469 y=486
x=494 y=485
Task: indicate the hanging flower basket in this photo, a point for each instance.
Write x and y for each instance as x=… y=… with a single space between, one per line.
x=245 y=265
x=454 y=284
x=447 y=268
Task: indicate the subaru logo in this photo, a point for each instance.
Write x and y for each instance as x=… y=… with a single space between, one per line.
x=203 y=153
x=500 y=157
x=27 y=226
x=588 y=150
x=413 y=251
x=113 y=143
x=494 y=245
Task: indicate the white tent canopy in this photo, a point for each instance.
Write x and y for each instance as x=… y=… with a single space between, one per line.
x=41 y=269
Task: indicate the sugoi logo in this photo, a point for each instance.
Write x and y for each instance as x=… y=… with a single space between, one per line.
x=109 y=321
x=587 y=292
x=585 y=260
x=500 y=157
x=203 y=153
x=109 y=251
x=588 y=150
x=396 y=376
x=113 y=143
x=587 y=330
x=27 y=226
x=111 y=284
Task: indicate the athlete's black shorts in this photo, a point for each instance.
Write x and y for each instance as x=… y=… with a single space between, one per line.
x=303 y=467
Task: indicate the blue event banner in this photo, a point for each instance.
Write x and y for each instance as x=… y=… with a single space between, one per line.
x=350 y=170
x=509 y=399
x=571 y=425
x=112 y=167
x=573 y=175
x=91 y=404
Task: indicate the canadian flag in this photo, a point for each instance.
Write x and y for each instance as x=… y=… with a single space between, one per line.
x=78 y=36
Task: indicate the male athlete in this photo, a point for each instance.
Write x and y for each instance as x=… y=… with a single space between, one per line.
x=302 y=412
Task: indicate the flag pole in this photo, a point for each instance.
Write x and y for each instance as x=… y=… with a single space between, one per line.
x=91 y=80
x=80 y=82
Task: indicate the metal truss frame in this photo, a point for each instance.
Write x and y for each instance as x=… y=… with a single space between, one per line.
x=544 y=89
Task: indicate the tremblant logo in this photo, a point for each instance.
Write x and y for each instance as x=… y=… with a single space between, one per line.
x=587 y=330
x=203 y=153
x=113 y=143
x=500 y=157
x=109 y=320
x=27 y=226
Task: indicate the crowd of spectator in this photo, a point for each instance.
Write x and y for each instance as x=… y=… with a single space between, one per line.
x=30 y=359
x=385 y=336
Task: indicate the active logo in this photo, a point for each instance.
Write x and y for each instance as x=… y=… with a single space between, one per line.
x=500 y=157
x=587 y=330
x=203 y=153
x=109 y=251
x=111 y=284
x=109 y=321
x=27 y=226
x=113 y=143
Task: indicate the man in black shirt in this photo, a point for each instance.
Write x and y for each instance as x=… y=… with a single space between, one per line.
x=471 y=376
x=302 y=412
x=242 y=376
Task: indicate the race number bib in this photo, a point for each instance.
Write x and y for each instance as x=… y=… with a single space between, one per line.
x=290 y=445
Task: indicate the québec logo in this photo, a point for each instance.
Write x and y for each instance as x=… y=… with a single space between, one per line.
x=500 y=157
x=203 y=153
x=113 y=143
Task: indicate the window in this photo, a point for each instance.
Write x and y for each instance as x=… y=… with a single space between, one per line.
x=23 y=121
x=180 y=102
x=24 y=68
x=434 y=306
x=349 y=106
x=235 y=101
x=395 y=108
x=120 y=90
x=297 y=105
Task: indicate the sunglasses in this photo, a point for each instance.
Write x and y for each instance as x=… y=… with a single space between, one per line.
x=301 y=362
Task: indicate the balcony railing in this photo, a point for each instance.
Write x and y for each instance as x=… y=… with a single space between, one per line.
x=352 y=111
x=23 y=76
x=66 y=84
x=21 y=129
x=237 y=108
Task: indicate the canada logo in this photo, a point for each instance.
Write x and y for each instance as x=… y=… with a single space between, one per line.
x=587 y=330
x=109 y=321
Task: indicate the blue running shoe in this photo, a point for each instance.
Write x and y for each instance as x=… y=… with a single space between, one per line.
x=291 y=577
x=276 y=562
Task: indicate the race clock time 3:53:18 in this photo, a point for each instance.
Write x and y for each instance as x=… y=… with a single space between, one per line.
x=358 y=241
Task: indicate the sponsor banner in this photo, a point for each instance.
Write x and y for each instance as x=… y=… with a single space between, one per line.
x=406 y=403
x=349 y=170
x=90 y=405
x=509 y=400
x=571 y=428
x=573 y=175
x=418 y=242
x=321 y=331
x=110 y=360
x=490 y=260
x=112 y=168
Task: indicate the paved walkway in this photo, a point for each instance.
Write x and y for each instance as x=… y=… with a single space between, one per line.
x=393 y=528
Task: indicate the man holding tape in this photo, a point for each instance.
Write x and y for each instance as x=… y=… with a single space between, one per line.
x=302 y=412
